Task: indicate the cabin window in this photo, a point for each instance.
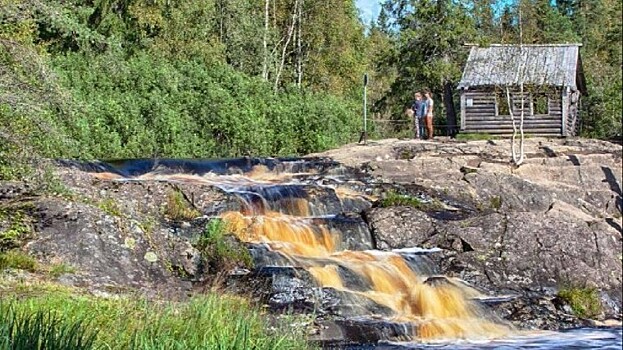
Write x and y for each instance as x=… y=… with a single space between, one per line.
x=501 y=104
x=540 y=104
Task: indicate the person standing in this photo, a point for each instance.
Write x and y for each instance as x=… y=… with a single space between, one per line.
x=428 y=115
x=418 y=110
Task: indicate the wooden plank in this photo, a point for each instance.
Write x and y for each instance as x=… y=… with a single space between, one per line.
x=484 y=110
x=501 y=122
x=480 y=107
x=550 y=131
x=507 y=117
x=509 y=134
x=479 y=94
x=483 y=98
x=463 y=109
x=473 y=95
x=487 y=124
x=509 y=120
x=510 y=126
x=487 y=117
x=482 y=103
x=565 y=109
x=481 y=110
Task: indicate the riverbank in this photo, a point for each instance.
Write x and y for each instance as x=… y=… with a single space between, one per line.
x=539 y=243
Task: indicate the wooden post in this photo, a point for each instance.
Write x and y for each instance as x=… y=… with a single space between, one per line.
x=565 y=110
x=364 y=133
x=463 y=106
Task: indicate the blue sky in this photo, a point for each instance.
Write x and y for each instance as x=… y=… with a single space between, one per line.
x=369 y=9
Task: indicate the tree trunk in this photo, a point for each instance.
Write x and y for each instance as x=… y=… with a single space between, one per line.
x=285 y=45
x=299 y=46
x=448 y=101
x=265 y=41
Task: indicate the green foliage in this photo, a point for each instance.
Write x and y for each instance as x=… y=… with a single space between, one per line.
x=474 y=137
x=406 y=153
x=145 y=106
x=16 y=228
x=178 y=208
x=51 y=185
x=16 y=259
x=495 y=202
x=13 y=164
x=422 y=62
x=393 y=199
x=110 y=207
x=41 y=330
x=584 y=302
x=427 y=50
x=217 y=321
x=57 y=270
x=221 y=251
x=126 y=79
x=601 y=112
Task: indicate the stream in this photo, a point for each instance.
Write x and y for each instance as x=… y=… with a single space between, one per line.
x=302 y=221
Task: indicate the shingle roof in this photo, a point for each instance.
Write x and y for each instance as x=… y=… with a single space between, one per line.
x=501 y=65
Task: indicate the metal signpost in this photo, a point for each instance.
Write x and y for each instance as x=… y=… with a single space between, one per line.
x=364 y=133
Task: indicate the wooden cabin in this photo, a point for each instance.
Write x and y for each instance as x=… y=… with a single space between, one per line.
x=553 y=83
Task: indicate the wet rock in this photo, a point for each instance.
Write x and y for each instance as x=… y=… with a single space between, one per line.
x=294 y=294
x=290 y=289
x=354 y=232
x=437 y=281
x=342 y=333
x=537 y=313
x=264 y=258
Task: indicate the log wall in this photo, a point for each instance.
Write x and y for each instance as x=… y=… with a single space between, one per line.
x=483 y=115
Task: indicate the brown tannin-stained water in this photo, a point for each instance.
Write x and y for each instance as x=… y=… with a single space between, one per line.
x=296 y=213
x=437 y=310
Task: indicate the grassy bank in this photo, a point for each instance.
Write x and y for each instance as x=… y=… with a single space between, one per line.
x=48 y=316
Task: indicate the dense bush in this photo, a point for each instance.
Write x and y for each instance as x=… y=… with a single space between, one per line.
x=145 y=106
x=144 y=81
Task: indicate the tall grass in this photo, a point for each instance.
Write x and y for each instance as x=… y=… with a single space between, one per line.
x=16 y=259
x=39 y=330
x=205 y=322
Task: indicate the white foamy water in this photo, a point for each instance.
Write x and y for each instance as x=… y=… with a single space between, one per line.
x=417 y=250
x=575 y=339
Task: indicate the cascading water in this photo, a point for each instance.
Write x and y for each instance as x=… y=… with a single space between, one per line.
x=435 y=308
x=299 y=212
